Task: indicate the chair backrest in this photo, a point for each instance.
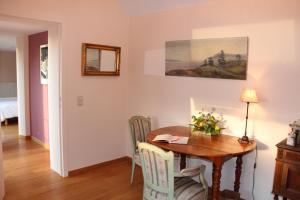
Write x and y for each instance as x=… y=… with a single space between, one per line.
x=139 y=127
x=158 y=172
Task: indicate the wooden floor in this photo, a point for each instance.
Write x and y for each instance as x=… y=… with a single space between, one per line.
x=28 y=176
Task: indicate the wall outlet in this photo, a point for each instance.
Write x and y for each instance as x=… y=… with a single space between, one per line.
x=80 y=101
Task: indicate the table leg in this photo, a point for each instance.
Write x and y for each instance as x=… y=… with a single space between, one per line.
x=275 y=197
x=238 y=173
x=182 y=161
x=216 y=179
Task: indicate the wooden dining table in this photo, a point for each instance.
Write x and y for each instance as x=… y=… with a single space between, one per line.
x=216 y=149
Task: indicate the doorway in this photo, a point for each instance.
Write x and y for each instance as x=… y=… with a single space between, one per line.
x=21 y=28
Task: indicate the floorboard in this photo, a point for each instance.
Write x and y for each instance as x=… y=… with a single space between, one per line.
x=28 y=175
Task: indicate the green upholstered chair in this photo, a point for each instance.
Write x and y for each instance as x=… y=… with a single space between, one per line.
x=139 y=127
x=160 y=182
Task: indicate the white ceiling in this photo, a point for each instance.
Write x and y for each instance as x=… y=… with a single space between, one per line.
x=10 y=30
x=142 y=7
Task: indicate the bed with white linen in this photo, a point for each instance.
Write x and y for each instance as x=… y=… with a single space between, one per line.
x=8 y=108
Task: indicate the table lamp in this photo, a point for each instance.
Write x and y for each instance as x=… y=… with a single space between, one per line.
x=248 y=96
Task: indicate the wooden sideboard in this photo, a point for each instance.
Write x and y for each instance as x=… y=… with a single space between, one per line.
x=287 y=172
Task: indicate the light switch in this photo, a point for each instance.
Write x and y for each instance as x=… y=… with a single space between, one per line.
x=80 y=101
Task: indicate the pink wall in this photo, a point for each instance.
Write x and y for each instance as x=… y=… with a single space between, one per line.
x=273 y=28
x=38 y=92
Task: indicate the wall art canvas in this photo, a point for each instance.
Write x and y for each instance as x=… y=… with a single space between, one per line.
x=44 y=63
x=224 y=58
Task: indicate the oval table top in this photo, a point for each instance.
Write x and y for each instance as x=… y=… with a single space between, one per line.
x=201 y=145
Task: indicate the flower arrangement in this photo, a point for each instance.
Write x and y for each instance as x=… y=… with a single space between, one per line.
x=209 y=123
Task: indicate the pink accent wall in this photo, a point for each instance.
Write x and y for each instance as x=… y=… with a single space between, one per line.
x=38 y=92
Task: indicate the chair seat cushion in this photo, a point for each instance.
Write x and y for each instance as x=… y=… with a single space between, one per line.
x=185 y=188
x=188 y=189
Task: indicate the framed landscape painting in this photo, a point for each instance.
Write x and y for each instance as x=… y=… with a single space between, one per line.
x=224 y=58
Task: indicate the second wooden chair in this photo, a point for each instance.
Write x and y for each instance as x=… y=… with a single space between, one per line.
x=139 y=127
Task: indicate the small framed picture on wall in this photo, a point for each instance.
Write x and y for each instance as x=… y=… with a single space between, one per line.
x=100 y=60
x=44 y=63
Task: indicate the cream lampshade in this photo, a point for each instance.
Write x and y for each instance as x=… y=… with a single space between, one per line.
x=248 y=96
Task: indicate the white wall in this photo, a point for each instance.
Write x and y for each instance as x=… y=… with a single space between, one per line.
x=94 y=132
x=273 y=28
x=8 y=89
x=8 y=75
x=8 y=66
x=23 y=85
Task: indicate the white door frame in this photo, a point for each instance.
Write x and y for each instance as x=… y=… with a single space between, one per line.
x=57 y=142
x=58 y=148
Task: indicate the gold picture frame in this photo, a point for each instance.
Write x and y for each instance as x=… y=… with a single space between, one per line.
x=100 y=60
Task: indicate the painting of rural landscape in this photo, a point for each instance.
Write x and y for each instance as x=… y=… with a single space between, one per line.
x=212 y=58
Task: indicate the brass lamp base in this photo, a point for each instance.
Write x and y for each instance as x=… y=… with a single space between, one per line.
x=244 y=140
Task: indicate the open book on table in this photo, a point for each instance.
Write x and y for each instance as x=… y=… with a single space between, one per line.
x=171 y=139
